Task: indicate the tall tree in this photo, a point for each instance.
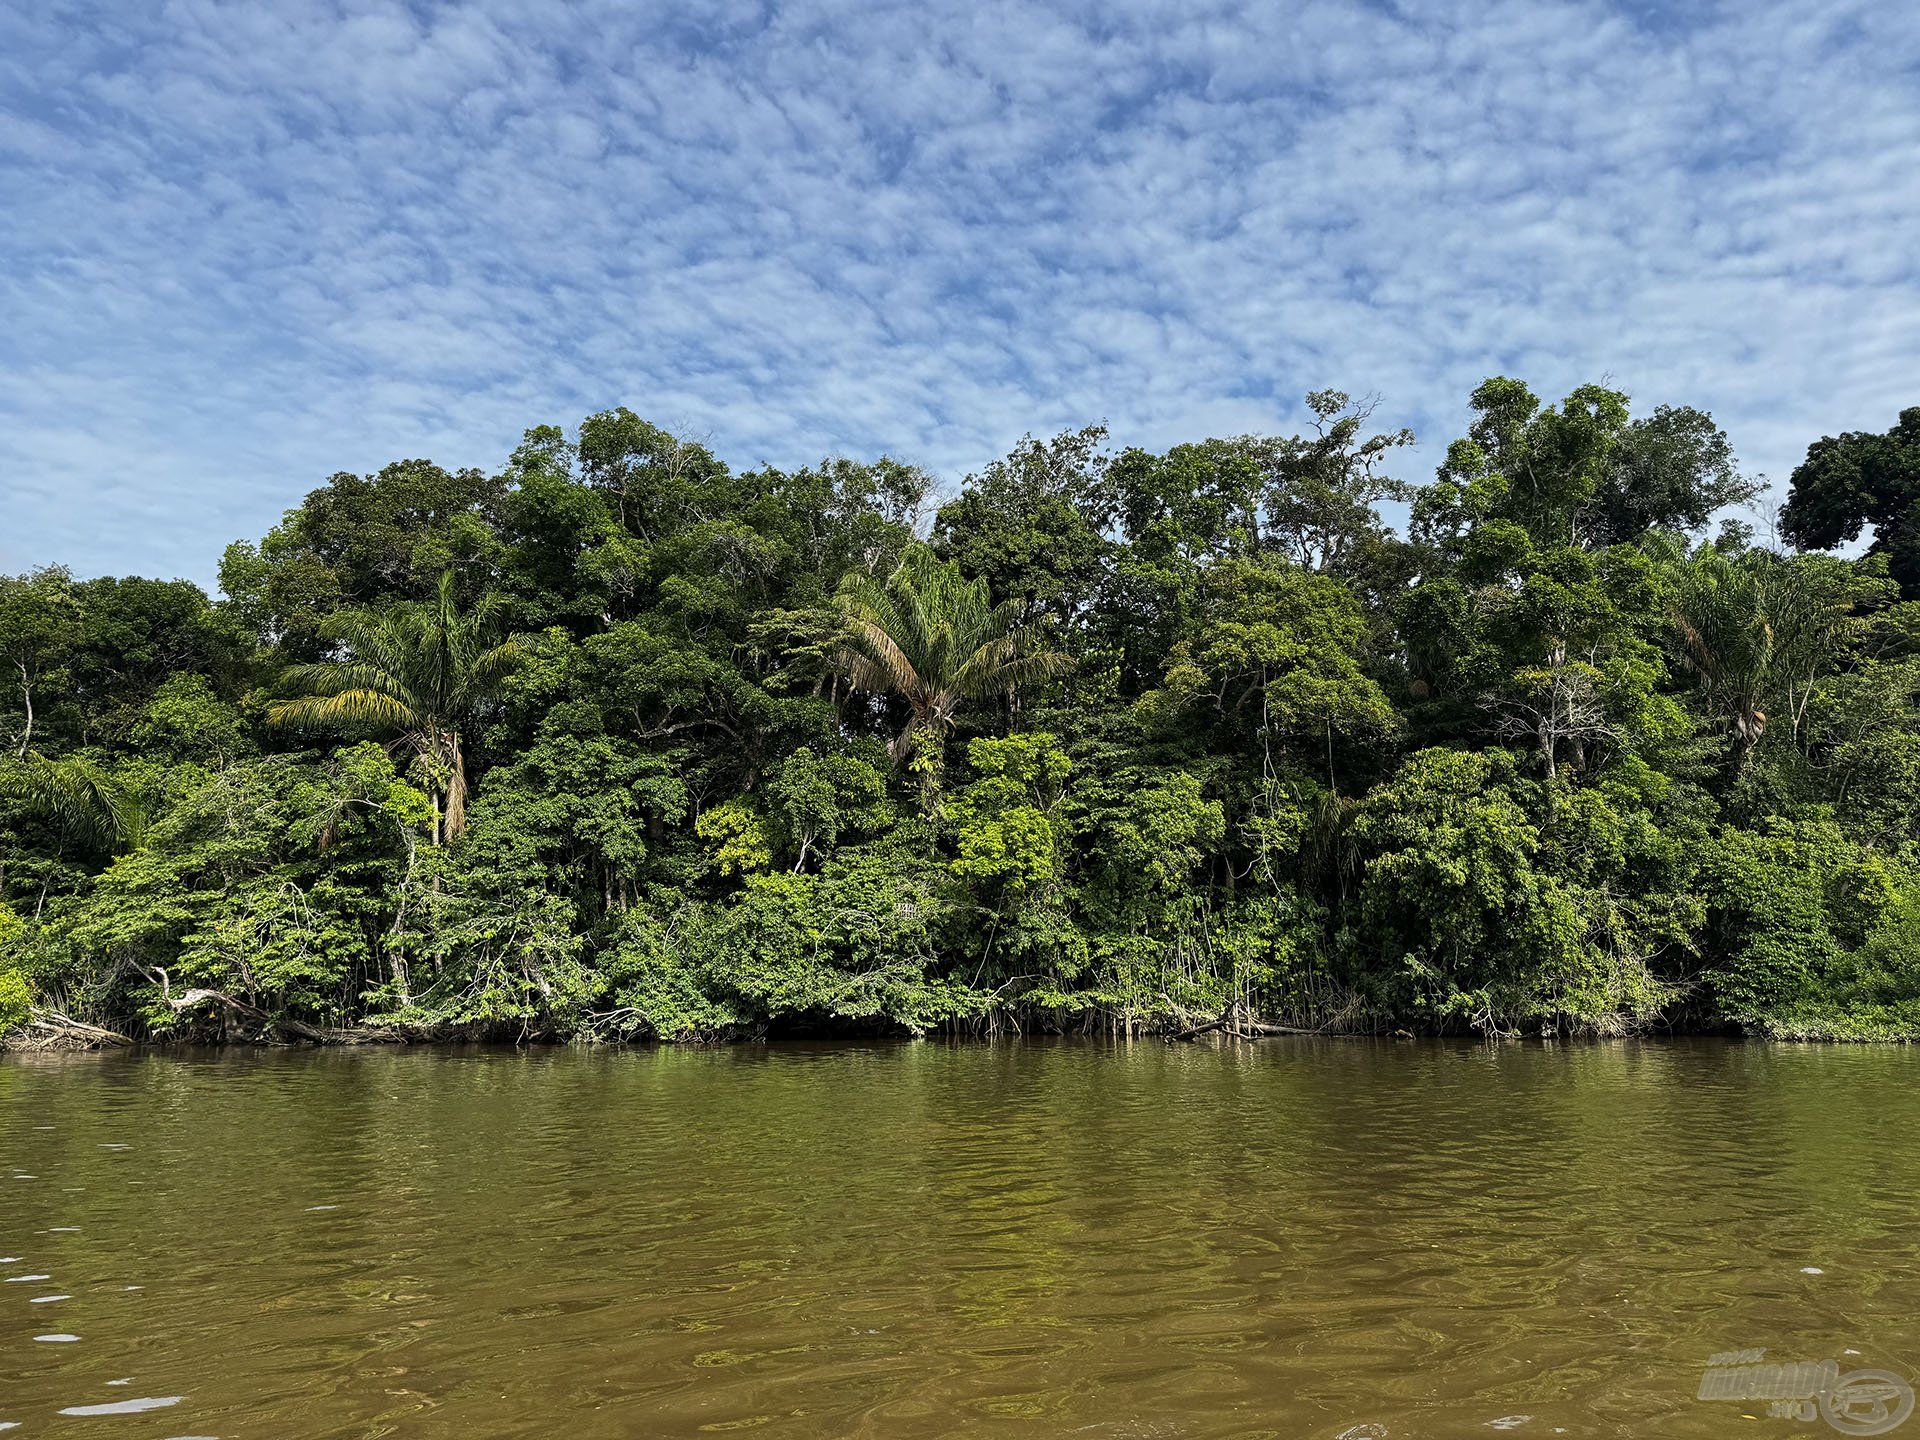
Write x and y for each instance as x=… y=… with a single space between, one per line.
x=1323 y=489
x=1033 y=525
x=1858 y=479
x=423 y=671
x=1747 y=628
x=38 y=620
x=935 y=640
x=1668 y=471
x=364 y=540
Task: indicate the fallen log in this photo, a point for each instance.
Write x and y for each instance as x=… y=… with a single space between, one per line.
x=1261 y=1027
x=53 y=1030
x=284 y=1025
x=1245 y=1029
x=1219 y=1022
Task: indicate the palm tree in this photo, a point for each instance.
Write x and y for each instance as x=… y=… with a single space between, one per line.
x=933 y=638
x=423 y=671
x=84 y=802
x=87 y=807
x=1745 y=628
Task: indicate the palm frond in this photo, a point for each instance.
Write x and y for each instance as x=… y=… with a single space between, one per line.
x=884 y=664
x=346 y=709
x=80 y=799
x=933 y=637
x=489 y=668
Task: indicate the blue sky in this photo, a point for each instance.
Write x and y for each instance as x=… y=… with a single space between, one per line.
x=243 y=246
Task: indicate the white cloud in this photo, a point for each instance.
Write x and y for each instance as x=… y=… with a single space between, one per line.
x=245 y=246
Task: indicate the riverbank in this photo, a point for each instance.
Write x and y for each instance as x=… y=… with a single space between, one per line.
x=1895 y=1025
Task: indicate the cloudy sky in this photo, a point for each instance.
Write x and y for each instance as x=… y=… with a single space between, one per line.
x=245 y=245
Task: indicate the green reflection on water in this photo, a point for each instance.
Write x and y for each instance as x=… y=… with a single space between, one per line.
x=1291 y=1239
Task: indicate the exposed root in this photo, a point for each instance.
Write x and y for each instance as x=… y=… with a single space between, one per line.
x=1231 y=1021
x=52 y=1030
x=265 y=1023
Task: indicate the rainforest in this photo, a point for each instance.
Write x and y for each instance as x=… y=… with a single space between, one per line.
x=621 y=743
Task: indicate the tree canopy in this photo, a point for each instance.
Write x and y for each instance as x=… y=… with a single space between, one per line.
x=1851 y=481
x=619 y=742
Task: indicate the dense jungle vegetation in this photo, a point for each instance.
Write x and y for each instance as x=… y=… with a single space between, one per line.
x=622 y=743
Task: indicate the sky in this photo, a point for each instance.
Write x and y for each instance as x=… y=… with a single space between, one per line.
x=244 y=246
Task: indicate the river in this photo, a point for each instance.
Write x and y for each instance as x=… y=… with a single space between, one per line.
x=1297 y=1238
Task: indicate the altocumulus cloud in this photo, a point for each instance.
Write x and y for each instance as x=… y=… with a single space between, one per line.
x=243 y=245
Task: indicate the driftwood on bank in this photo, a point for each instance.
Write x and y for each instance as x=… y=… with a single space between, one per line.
x=47 y=1029
x=265 y=1021
x=1242 y=1027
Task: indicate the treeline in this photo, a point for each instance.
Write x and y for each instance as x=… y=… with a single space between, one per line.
x=622 y=743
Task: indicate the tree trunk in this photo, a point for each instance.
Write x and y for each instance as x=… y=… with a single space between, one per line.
x=457 y=793
x=1747 y=730
x=396 y=961
x=26 y=698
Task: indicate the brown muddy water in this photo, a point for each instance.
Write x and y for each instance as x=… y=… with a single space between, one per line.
x=1293 y=1239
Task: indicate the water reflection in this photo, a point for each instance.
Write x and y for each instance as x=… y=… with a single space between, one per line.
x=1294 y=1239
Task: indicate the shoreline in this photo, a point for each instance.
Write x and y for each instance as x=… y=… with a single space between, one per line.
x=823 y=1039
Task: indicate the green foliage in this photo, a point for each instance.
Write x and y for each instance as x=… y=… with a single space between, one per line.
x=187 y=721
x=815 y=798
x=361 y=542
x=1805 y=919
x=1007 y=840
x=1858 y=479
x=1482 y=908
x=622 y=743
x=934 y=639
x=423 y=672
x=16 y=994
x=738 y=837
x=1281 y=648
